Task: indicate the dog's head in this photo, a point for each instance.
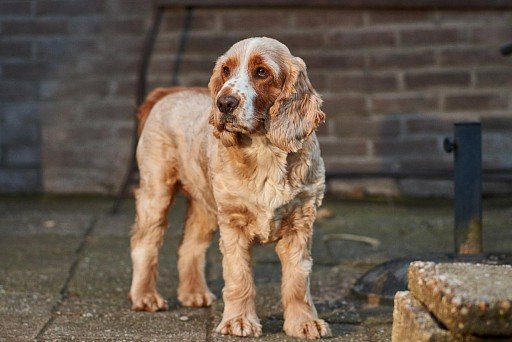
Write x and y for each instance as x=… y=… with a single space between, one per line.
x=257 y=86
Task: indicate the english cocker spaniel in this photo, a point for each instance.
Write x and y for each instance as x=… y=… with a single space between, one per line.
x=246 y=156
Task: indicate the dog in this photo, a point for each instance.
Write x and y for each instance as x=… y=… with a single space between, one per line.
x=245 y=154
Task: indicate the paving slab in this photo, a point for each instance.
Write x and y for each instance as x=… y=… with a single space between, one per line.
x=93 y=319
x=467 y=298
x=39 y=247
x=37 y=250
x=412 y=322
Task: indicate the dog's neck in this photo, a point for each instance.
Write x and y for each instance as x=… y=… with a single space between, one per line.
x=257 y=159
x=254 y=157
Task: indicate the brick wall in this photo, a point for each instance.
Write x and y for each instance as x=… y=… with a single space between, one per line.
x=393 y=82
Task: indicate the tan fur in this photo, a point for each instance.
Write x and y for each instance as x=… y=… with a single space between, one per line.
x=259 y=180
x=150 y=101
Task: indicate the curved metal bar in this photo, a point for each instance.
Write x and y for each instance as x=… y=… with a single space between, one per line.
x=139 y=96
x=182 y=45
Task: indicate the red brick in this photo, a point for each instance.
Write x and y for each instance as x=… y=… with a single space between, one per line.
x=123 y=87
x=429 y=79
x=323 y=129
x=318 y=80
x=300 y=41
x=18 y=181
x=467 y=17
x=114 y=65
x=212 y=44
x=15 y=49
x=434 y=36
x=344 y=147
x=475 y=102
x=107 y=111
x=356 y=126
x=496 y=145
x=427 y=162
x=327 y=18
x=404 y=103
x=494 y=77
x=188 y=64
x=202 y=19
x=24 y=70
x=367 y=83
x=125 y=26
x=22 y=156
x=490 y=35
x=402 y=59
x=13 y=8
x=51 y=113
x=34 y=27
x=330 y=61
x=429 y=126
x=393 y=17
x=344 y=104
x=350 y=164
x=78 y=89
x=70 y=7
x=55 y=49
x=497 y=123
x=471 y=56
x=132 y=7
x=11 y=91
x=254 y=20
x=407 y=148
x=362 y=39
x=164 y=46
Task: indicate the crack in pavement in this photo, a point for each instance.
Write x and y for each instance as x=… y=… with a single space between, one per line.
x=63 y=293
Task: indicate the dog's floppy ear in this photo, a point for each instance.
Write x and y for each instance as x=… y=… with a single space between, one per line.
x=296 y=112
x=227 y=138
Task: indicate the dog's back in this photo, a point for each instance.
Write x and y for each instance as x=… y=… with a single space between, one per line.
x=174 y=129
x=155 y=96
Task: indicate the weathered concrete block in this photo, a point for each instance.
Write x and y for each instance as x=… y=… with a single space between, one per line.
x=413 y=323
x=467 y=298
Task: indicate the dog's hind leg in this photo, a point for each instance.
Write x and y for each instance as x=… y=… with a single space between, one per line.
x=200 y=226
x=158 y=183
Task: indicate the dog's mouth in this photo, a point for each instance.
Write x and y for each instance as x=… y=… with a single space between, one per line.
x=235 y=128
x=233 y=124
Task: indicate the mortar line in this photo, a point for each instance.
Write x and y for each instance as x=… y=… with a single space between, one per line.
x=63 y=293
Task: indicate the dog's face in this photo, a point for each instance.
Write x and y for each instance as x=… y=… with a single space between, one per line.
x=257 y=86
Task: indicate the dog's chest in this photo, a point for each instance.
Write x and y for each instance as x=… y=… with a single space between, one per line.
x=266 y=184
x=264 y=189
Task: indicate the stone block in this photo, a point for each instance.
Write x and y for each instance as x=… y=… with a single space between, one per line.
x=466 y=298
x=413 y=323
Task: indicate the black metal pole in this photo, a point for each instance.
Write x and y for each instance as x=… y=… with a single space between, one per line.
x=468 y=188
x=467 y=148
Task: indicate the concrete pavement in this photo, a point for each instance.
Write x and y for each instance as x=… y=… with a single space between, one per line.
x=65 y=270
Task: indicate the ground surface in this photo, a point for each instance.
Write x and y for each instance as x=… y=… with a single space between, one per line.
x=65 y=270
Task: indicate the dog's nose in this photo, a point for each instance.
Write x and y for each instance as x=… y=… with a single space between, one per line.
x=227 y=103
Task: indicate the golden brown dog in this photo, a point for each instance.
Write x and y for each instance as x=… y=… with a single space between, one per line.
x=246 y=156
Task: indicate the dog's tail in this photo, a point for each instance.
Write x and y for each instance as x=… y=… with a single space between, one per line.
x=148 y=104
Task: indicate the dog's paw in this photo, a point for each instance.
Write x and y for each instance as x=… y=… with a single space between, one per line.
x=312 y=329
x=150 y=302
x=240 y=326
x=196 y=299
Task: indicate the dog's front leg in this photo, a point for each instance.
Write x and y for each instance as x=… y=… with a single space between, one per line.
x=300 y=316
x=239 y=317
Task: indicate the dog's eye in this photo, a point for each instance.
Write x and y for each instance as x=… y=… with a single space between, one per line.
x=261 y=72
x=225 y=71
